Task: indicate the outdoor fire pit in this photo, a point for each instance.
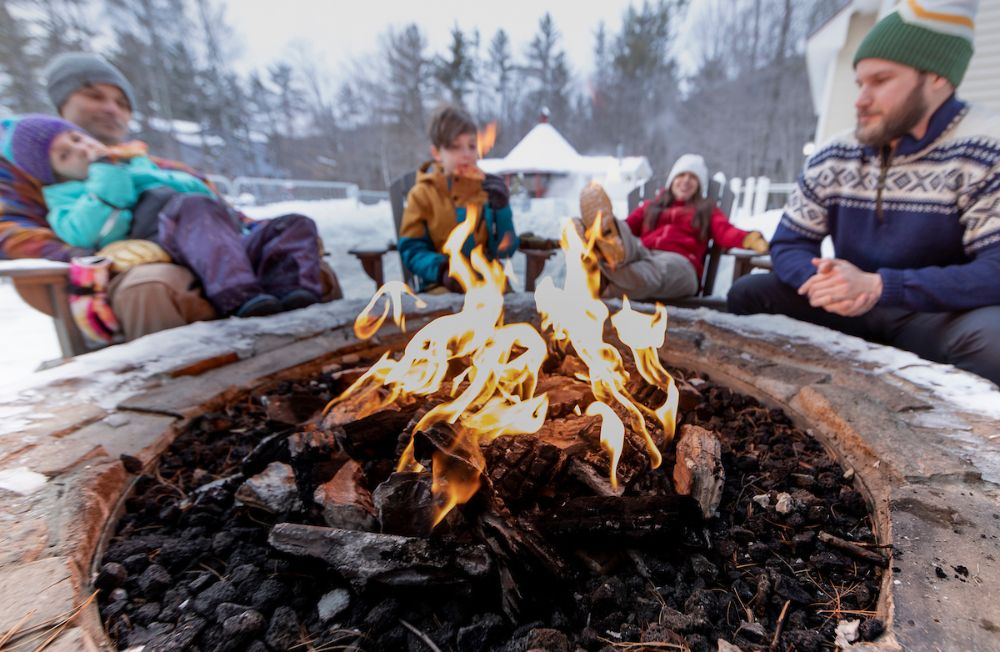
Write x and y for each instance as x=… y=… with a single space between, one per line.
x=208 y=498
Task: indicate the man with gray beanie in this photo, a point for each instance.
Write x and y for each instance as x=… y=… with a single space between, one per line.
x=149 y=295
x=911 y=200
x=92 y=94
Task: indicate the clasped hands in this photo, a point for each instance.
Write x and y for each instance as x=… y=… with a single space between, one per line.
x=841 y=288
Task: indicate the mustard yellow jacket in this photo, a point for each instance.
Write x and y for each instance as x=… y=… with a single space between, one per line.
x=437 y=203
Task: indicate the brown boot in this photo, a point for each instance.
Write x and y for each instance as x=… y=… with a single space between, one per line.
x=594 y=202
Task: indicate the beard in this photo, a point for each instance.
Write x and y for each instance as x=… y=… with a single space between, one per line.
x=897 y=124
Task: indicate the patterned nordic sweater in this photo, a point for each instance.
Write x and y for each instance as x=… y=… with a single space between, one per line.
x=926 y=216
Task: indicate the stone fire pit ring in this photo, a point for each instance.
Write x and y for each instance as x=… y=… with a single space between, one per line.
x=923 y=442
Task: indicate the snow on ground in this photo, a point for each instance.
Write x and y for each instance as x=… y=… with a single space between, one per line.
x=29 y=337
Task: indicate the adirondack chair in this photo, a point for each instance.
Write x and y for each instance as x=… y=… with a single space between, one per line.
x=42 y=285
x=720 y=191
x=372 y=259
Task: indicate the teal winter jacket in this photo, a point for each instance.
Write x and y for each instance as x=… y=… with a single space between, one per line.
x=98 y=211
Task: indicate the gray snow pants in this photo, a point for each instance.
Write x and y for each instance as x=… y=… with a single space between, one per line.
x=647 y=274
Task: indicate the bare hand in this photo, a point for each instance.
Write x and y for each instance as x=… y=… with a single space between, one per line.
x=841 y=288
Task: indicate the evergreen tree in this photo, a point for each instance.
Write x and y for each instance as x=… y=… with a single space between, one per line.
x=19 y=82
x=454 y=72
x=546 y=66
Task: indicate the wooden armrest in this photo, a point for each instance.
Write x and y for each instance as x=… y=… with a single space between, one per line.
x=740 y=253
x=371 y=262
x=42 y=285
x=38 y=269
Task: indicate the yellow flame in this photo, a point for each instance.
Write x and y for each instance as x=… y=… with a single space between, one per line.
x=644 y=334
x=367 y=325
x=575 y=313
x=494 y=394
x=612 y=435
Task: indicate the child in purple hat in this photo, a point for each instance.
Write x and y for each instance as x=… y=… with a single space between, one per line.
x=98 y=197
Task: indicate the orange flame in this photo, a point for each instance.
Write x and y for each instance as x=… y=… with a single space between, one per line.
x=576 y=315
x=366 y=325
x=495 y=393
x=485 y=138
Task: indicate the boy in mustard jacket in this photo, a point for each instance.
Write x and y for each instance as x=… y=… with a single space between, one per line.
x=445 y=189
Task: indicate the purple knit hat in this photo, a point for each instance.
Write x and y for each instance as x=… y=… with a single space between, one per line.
x=26 y=142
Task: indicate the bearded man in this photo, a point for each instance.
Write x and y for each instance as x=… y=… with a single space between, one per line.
x=911 y=201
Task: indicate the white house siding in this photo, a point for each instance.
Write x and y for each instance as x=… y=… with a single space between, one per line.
x=982 y=81
x=832 y=74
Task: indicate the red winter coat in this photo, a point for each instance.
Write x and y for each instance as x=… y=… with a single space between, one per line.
x=673 y=232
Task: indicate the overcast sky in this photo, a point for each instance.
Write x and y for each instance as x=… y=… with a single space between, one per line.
x=342 y=31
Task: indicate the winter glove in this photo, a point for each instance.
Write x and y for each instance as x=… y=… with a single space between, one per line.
x=88 y=299
x=126 y=254
x=497 y=193
x=755 y=242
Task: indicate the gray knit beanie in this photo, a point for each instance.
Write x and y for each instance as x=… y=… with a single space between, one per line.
x=71 y=71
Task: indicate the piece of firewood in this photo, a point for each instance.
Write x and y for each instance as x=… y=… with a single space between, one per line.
x=698 y=470
x=346 y=501
x=387 y=559
x=375 y=435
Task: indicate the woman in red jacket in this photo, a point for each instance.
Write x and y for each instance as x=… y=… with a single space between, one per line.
x=680 y=220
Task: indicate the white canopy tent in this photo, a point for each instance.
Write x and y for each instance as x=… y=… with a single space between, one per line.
x=544 y=151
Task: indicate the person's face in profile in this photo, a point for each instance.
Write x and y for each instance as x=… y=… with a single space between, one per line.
x=100 y=109
x=71 y=154
x=684 y=186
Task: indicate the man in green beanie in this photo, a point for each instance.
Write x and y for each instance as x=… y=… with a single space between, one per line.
x=911 y=200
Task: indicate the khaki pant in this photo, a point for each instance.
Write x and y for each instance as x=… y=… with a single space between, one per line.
x=157 y=296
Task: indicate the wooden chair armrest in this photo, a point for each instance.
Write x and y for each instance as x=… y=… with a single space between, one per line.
x=42 y=285
x=38 y=269
x=534 y=265
x=371 y=262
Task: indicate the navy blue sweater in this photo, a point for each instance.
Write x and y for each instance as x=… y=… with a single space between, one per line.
x=925 y=216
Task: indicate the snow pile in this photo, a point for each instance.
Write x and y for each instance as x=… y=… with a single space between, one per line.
x=21 y=480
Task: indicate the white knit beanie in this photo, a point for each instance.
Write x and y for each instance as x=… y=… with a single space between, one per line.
x=694 y=164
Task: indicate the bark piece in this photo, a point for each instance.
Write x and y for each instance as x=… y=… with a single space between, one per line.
x=698 y=470
x=375 y=435
x=404 y=504
x=387 y=559
x=273 y=490
x=346 y=501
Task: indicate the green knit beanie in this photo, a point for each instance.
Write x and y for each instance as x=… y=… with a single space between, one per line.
x=929 y=35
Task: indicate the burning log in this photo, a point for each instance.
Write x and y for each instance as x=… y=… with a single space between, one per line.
x=698 y=471
x=628 y=517
x=523 y=556
x=405 y=505
x=388 y=559
x=292 y=409
x=345 y=501
x=375 y=436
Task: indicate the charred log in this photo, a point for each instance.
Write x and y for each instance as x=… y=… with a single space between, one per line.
x=387 y=559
